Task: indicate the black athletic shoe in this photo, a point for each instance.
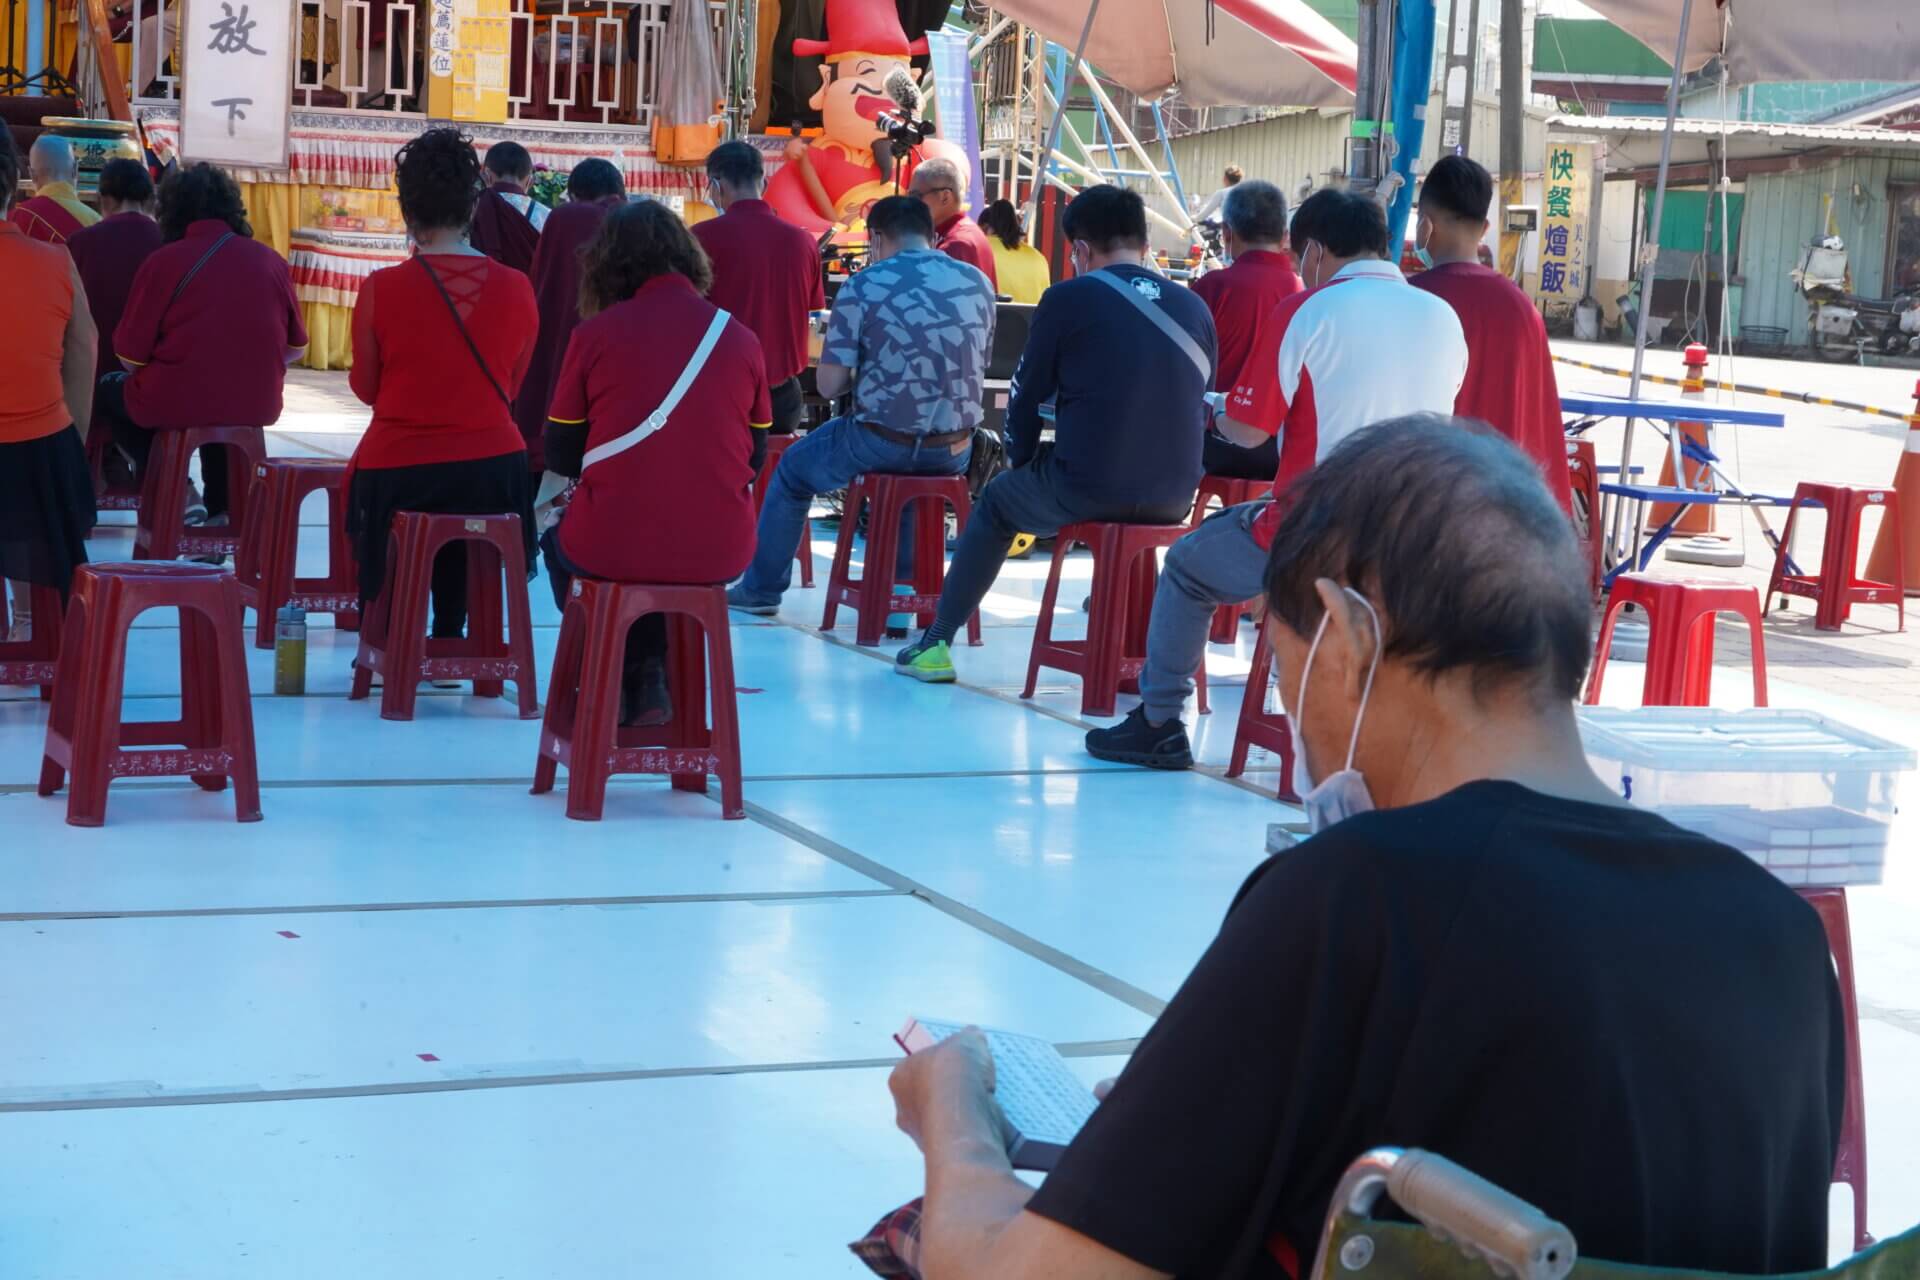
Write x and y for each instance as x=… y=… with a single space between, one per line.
x=646 y=701
x=1134 y=741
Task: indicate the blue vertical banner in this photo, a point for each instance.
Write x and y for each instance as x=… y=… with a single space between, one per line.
x=953 y=105
x=1412 y=89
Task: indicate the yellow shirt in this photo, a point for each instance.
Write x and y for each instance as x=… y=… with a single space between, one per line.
x=1022 y=273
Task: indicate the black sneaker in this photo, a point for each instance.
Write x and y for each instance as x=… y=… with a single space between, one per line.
x=646 y=702
x=1134 y=741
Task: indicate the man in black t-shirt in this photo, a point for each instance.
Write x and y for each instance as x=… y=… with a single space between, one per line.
x=1482 y=952
x=1125 y=356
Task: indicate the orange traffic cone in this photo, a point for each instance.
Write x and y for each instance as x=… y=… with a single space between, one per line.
x=1906 y=534
x=1698 y=516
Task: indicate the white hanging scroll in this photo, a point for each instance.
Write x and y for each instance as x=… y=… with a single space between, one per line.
x=236 y=89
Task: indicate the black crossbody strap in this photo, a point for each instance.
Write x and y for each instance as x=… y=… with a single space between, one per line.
x=461 y=325
x=192 y=271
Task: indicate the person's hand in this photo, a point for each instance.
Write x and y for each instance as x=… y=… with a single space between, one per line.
x=1105 y=1087
x=931 y=1079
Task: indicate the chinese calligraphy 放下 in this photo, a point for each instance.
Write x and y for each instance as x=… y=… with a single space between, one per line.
x=233 y=33
x=234 y=112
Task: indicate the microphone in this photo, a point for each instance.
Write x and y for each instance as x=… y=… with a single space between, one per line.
x=904 y=92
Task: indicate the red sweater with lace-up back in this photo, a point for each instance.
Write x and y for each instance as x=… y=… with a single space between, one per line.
x=431 y=401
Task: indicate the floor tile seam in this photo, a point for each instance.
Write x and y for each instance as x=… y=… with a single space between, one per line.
x=449 y=904
x=470 y=1084
x=621 y=780
x=1023 y=704
x=1072 y=966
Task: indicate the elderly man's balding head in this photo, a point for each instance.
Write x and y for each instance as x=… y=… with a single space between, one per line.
x=51 y=160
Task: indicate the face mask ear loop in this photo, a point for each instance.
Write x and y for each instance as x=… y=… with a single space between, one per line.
x=1366 y=692
x=1306 y=669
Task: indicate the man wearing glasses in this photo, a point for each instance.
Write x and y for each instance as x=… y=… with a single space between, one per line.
x=942 y=187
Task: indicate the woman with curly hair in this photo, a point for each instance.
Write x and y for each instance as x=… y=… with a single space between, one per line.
x=440 y=344
x=209 y=328
x=665 y=486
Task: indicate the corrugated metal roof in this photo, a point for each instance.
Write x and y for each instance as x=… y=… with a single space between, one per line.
x=1654 y=126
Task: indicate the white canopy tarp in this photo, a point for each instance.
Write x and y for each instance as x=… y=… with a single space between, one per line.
x=1260 y=53
x=1764 y=40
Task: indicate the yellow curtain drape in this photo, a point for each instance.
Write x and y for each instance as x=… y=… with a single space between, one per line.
x=329 y=335
x=276 y=210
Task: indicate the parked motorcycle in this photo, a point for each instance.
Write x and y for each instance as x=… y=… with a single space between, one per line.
x=1843 y=325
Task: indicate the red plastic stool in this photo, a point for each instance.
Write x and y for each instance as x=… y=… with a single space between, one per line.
x=394 y=641
x=1583 y=475
x=125 y=497
x=777 y=447
x=1262 y=728
x=871 y=595
x=212 y=740
x=161 y=533
x=582 y=729
x=269 y=546
x=1680 y=647
x=1838 y=586
x=1850 y=1162
x=35 y=661
x=1230 y=493
x=1125 y=570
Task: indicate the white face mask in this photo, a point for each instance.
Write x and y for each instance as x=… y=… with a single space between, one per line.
x=1343 y=794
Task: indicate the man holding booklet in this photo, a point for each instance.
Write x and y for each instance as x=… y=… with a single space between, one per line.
x=1482 y=951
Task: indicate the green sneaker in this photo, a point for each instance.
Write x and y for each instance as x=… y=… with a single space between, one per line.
x=926 y=661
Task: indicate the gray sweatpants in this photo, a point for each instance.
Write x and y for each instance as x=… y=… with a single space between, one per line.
x=1218 y=563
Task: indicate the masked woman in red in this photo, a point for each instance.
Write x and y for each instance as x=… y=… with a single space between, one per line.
x=440 y=344
x=665 y=481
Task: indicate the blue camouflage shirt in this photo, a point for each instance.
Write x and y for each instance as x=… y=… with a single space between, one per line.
x=916 y=330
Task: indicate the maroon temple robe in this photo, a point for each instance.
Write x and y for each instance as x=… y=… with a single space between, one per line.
x=108 y=255
x=556 y=288
x=501 y=231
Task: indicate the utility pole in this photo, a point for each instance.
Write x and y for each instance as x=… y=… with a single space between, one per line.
x=1463 y=63
x=1513 y=130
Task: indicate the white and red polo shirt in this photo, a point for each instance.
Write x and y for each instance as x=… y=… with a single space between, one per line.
x=1363 y=347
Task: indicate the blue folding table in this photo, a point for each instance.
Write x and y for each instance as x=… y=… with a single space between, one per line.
x=1590 y=409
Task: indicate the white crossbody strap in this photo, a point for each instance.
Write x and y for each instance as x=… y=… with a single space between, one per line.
x=658 y=418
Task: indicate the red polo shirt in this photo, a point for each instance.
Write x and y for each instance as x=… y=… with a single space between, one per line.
x=766 y=275
x=1240 y=297
x=961 y=237
x=216 y=355
x=677 y=506
x=1510 y=384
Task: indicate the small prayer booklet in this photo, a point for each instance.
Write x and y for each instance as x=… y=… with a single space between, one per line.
x=1044 y=1102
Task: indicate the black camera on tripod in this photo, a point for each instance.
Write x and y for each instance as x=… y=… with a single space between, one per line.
x=905 y=131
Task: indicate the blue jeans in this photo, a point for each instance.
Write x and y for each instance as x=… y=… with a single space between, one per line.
x=1218 y=563
x=825 y=459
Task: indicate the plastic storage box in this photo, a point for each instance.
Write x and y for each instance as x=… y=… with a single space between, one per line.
x=1810 y=799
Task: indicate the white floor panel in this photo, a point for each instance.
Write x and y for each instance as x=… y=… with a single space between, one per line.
x=1130 y=872
x=744 y=1175
x=178 y=849
x=355 y=998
